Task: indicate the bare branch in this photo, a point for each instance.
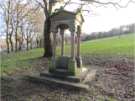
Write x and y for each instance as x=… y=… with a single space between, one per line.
x=46 y=8
x=115 y=4
x=66 y=3
x=40 y=4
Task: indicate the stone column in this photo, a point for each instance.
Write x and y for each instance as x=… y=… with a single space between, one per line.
x=78 y=45
x=72 y=68
x=78 y=42
x=72 y=45
x=62 y=43
x=79 y=62
x=54 y=53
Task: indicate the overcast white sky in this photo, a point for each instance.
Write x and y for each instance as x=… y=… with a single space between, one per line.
x=103 y=19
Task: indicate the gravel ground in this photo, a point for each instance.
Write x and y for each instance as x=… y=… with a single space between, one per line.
x=114 y=82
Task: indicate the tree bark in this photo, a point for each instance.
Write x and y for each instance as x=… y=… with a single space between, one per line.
x=47 y=39
x=16 y=29
x=7 y=25
x=10 y=38
x=37 y=43
x=7 y=42
x=27 y=45
x=31 y=44
x=11 y=42
x=21 y=40
x=16 y=40
x=27 y=42
x=20 y=46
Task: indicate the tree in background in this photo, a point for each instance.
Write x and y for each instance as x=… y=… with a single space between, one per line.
x=16 y=15
x=6 y=12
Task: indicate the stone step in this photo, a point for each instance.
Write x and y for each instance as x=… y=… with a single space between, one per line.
x=50 y=81
x=61 y=77
x=63 y=72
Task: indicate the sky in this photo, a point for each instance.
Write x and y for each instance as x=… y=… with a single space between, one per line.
x=106 y=18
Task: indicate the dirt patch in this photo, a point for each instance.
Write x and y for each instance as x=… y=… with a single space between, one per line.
x=114 y=82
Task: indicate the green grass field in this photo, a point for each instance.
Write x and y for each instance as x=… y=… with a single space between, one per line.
x=110 y=46
x=107 y=46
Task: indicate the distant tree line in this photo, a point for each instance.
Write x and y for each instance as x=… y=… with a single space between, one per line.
x=22 y=24
x=125 y=29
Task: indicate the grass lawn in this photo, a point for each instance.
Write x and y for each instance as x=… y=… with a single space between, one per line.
x=105 y=46
x=108 y=46
x=23 y=59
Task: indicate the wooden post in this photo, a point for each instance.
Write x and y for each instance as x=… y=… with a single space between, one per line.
x=62 y=43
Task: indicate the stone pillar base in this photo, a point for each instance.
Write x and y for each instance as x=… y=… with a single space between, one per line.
x=79 y=62
x=66 y=64
x=72 y=67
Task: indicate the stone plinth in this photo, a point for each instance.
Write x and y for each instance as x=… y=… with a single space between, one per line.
x=68 y=65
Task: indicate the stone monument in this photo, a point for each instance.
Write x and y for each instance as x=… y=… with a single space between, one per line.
x=66 y=70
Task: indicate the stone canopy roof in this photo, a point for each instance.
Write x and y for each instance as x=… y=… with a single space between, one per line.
x=74 y=13
x=66 y=19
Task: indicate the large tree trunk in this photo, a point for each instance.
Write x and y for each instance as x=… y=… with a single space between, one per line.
x=47 y=38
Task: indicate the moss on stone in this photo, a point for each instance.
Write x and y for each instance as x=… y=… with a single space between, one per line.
x=72 y=67
x=51 y=67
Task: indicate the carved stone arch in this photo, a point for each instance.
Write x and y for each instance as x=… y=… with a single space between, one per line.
x=66 y=25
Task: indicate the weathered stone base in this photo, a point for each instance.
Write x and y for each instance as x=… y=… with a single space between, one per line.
x=54 y=81
x=63 y=75
x=66 y=81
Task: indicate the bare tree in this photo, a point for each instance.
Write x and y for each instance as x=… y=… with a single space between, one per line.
x=10 y=36
x=35 y=20
x=6 y=12
x=7 y=25
x=16 y=14
x=21 y=11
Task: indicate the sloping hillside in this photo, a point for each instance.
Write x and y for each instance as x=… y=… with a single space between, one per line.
x=123 y=45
